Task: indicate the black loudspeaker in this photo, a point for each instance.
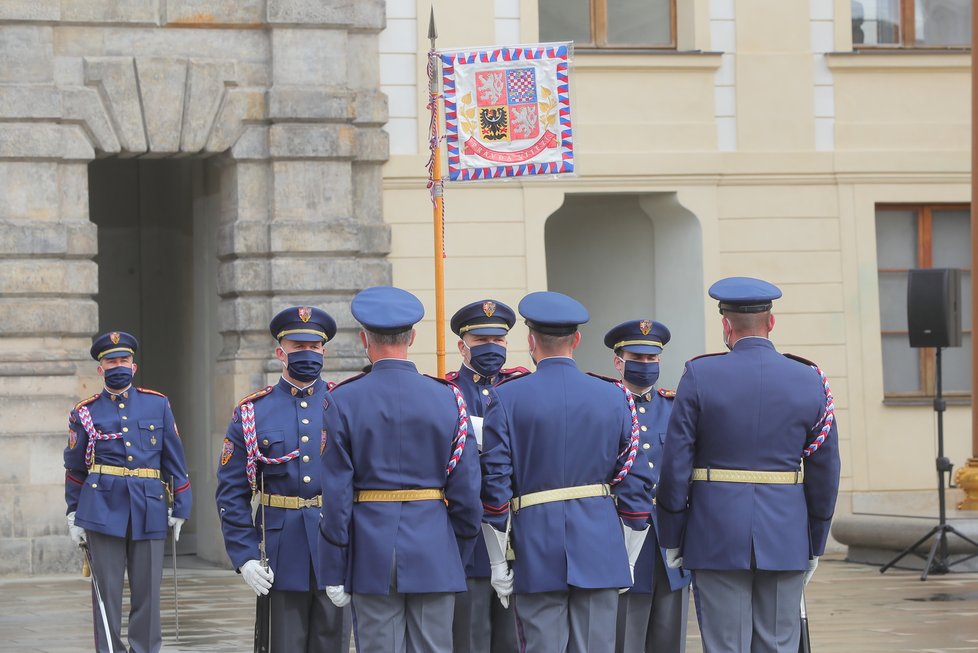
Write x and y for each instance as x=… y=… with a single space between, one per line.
x=934 y=307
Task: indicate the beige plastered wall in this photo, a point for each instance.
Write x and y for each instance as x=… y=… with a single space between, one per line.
x=776 y=206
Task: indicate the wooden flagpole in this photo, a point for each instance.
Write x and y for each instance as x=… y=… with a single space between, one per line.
x=437 y=192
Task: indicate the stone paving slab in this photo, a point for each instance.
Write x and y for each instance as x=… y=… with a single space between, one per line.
x=852 y=609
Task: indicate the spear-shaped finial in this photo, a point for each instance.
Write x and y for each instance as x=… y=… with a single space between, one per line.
x=432 y=30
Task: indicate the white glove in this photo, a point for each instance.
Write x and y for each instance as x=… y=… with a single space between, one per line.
x=258 y=578
x=175 y=522
x=673 y=559
x=811 y=569
x=338 y=595
x=634 y=540
x=77 y=533
x=502 y=581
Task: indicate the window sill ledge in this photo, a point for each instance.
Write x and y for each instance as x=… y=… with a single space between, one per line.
x=637 y=60
x=917 y=402
x=899 y=60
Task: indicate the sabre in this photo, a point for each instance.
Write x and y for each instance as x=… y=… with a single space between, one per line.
x=98 y=595
x=173 y=543
x=263 y=607
x=805 y=642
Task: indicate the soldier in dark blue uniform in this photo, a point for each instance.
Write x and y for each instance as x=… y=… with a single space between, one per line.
x=400 y=477
x=481 y=624
x=750 y=476
x=652 y=614
x=562 y=449
x=123 y=456
x=272 y=449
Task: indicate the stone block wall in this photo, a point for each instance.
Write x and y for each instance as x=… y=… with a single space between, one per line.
x=285 y=93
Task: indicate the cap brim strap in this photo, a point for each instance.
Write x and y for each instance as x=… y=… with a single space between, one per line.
x=647 y=343
x=289 y=332
x=500 y=325
x=103 y=354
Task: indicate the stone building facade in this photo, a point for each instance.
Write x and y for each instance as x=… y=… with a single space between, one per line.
x=181 y=169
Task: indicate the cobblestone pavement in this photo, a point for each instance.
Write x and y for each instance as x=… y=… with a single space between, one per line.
x=852 y=609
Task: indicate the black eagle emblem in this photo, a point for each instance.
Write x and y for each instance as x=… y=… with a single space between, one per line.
x=494 y=122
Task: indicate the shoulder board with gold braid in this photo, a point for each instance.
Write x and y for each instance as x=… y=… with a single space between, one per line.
x=349 y=380
x=256 y=395
x=151 y=392
x=715 y=353
x=85 y=402
x=603 y=377
x=799 y=359
x=514 y=371
x=451 y=376
x=668 y=394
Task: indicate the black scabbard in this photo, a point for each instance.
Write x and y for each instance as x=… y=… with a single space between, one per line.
x=805 y=642
x=263 y=631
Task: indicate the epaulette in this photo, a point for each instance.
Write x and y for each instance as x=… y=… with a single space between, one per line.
x=715 y=353
x=602 y=377
x=668 y=394
x=514 y=371
x=349 y=380
x=511 y=378
x=255 y=395
x=803 y=361
x=439 y=379
x=451 y=376
x=151 y=392
x=330 y=385
x=85 y=402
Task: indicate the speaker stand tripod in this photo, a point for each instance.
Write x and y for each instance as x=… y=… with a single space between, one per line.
x=938 y=560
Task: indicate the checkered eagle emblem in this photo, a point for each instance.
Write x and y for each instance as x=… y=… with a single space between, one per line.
x=489 y=308
x=507 y=104
x=114 y=337
x=645 y=326
x=305 y=313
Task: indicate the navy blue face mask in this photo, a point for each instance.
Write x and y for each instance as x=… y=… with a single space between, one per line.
x=487 y=359
x=118 y=378
x=642 y=375
x=305 y=365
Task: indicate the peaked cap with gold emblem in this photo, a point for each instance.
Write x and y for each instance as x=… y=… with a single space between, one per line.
x=486 y=317
x=303 y=323
x=114 y=344
x=638 y=337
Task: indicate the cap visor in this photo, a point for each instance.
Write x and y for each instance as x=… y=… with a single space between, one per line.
x=303 y=337
x=642 y=349
x=487 y=331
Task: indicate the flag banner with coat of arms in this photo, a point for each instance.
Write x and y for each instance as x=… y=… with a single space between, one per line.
x=507 y=111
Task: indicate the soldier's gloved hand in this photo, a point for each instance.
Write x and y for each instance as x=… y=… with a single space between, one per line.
x=258 y=578
x=77 y=533
x=502 y=581
x=338 y=595
x=634 y=540
x=175 y=522
x=812 y=564
x=673 y=559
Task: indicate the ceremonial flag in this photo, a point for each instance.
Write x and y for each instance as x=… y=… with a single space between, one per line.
x=507 y=111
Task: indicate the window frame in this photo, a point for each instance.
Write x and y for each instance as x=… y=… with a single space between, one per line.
x=907 y=30
x=924 y=258
x=599 y=31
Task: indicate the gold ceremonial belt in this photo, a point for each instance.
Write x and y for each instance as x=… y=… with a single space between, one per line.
x=422 y=494
x=561 y=494
x=747 y=476
x=294 y=503
x=112 y=470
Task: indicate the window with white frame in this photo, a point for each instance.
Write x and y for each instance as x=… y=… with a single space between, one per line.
x=617 y=24
x=921 y=236
x=911 y=23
